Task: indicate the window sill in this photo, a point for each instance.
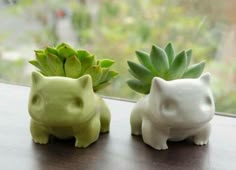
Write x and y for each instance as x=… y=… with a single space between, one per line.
x=116 y=150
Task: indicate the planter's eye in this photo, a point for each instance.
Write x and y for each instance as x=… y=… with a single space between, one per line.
x=37 y=102
x=169 y=106
x=207 y=104
x=36 y=99
x=78 y=102
x=75 y=105
x=208 y=100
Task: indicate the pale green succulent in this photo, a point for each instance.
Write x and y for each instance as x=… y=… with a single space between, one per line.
x=162 y=63
x=65 y=61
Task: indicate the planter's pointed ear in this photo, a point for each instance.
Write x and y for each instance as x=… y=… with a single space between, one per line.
x=158 y=85
x=85 y=81
x=37 y=77
x=205 y=78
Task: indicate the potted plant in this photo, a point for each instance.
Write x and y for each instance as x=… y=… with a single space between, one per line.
x=63 y=100
x=178 y=101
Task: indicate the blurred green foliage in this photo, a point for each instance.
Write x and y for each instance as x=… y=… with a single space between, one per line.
x=123 y=27
x=82 y=23
x=115 y=29
x=9 y=71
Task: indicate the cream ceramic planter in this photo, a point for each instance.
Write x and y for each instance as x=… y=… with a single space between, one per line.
x=66 y=107
x=174 y=110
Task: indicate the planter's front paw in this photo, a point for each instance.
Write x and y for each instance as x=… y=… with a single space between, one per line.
x=81 y=144
x=136 y=133
x=38 y=133
x=41 y=139
x=160 y=147
x=104 y=129
x=202 y=137
x=89 y=134
x=200 y=142
x=157 y=145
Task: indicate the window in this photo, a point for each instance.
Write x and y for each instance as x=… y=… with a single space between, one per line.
x=115 y=29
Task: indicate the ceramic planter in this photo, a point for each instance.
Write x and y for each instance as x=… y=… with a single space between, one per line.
x=66 y=107
x=174 y=110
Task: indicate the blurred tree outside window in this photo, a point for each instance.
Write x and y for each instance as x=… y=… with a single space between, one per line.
x=115 y=29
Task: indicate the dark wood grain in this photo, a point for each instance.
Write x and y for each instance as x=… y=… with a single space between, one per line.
x=117 y=150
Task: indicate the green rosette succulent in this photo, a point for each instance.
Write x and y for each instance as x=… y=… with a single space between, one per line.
x=164 y=63
x=65 y=61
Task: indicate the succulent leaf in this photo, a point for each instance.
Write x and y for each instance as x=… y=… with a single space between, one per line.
x=104 y=75
x=144 y=59
x=63 y=60
x=35 y=63
x=87 y=62
x=60 y=45
x=41 y=57
x=159 y=60
x=38 y=51
x=42 y=60
x=55 y=65
x=106 y=63
x=189 y=57
x=101 y=86
x=139 y=86
x=178 y=66
x=95 y=72
x=164 y=64
x=72 y=67
x=111 y=74
x=66 y=51
x=50 y=50
x=81 y=54
x=170 y=51
x=140 y=72
x=194 y=71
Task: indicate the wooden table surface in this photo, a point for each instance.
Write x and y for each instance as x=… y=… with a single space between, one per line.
x=117 y=150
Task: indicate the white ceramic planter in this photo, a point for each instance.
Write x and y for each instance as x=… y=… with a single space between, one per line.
x=174 y=110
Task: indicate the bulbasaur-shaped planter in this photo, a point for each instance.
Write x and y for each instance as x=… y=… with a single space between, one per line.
x=174 y=110
x=66 y=107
